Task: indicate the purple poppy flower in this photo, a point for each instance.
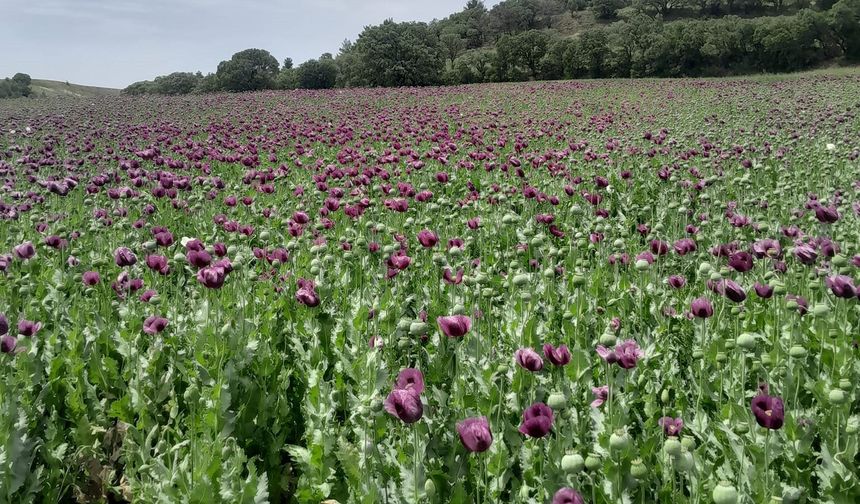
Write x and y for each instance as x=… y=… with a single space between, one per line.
x=198 y=258
x=452 y=279
x=557 y=356
x=410 y=379
x=628 y=353
x=732 y=290
x=306 y=294
x=806 y=254
x=154 y=324
x=158 y=264
x=769 y=411
x=601 y=394
x=801 y=302
x=4 y=324
x=148 y=295
x=28 y=328
x=684 y=246
x=25 y=251
x=606 y=354
x=8 y=343
x=841 y=286
x=671 y=426
x=701 y=308
x=454 y=326
x=826 y=215
x=537 y=420
x=767 y=248
x=124 y=257
x=91 y=278
x=677 y=281
x=567 y=495
x=212 y=277
x=659 y=247
x=763 y=291
x=475 y=434
x=405 y=405
x=427 y=238
x=741 y=262
x=528 y=359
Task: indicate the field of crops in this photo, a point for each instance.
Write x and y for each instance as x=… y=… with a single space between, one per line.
x=599 y=292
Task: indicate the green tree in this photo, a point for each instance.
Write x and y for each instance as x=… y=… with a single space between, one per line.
x=350 y=71
x=177 y=83
x=248 y=70
x=845 y=22
x=317 y=74
x=400 y=54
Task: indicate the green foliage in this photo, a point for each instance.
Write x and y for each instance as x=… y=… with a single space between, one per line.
x=400 y=54
x=845 y=21
x=248 y=70
x=317 y=74
x=16 y=87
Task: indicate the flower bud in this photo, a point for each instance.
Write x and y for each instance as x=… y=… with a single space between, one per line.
x=747 y=341
x=607 y=339
x=556 y=401
x=430 y=489
x=845 y=384
x=797 y=351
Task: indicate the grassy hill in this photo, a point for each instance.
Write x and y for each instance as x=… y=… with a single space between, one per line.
x=50 y=88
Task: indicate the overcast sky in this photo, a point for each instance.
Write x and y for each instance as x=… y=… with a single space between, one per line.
x=116 y=42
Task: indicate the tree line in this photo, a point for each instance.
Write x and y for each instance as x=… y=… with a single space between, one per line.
x=521 y=40
x=16 y=87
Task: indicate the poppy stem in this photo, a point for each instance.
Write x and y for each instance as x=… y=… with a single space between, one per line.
x=415 y=459
x=767 y=465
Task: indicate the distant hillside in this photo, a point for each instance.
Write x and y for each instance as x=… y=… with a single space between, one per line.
x=49 y=88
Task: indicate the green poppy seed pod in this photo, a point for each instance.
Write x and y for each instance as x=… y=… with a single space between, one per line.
x=572 y=463
x=179 y=257
x=664 y=396
x=791 y=495
x=607 y=339
x=314 y=249
x=315 y=262
x=820 y=310
x=556 y=401
x=380 y=228
x=264 y=235
x=705 y=269
x=736 y=310
x=520 y=279
x=387 y=250
x=592 y=461
x=526 y=296
x=742 y=428
x=576 y=210
x=852 y=426
x=721 y=357
x=730 y=344
x=780 y=290
x=455 y=251
x=418 y=328
x=376 y=405
x=581 y=243
x=315 y=270
x=797 y=351
x=619 y=440
x=149 y=246
x=659 y=227
x=430 y=489
x=403 y=324
x=292 y=245
x=684 y=462
x=840 y=260
x=641 y=265
x=698 y=354
x=638 y=470
x=538 y=240
x=508 y=219
x=502 y=368
x=833 y=333
x=845 y=384
x=548 y=273
x=618 y=243
x=836 y=396
x=487 y=292
x=459 y=309
x=725 y=493
x=328 y=259
x=715 y=276
x=578 y=280
x=747 y=341
x=672 y=446
x=766 y=360
x=688 y=443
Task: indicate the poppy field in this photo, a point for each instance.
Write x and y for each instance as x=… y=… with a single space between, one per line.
x=570 y=292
